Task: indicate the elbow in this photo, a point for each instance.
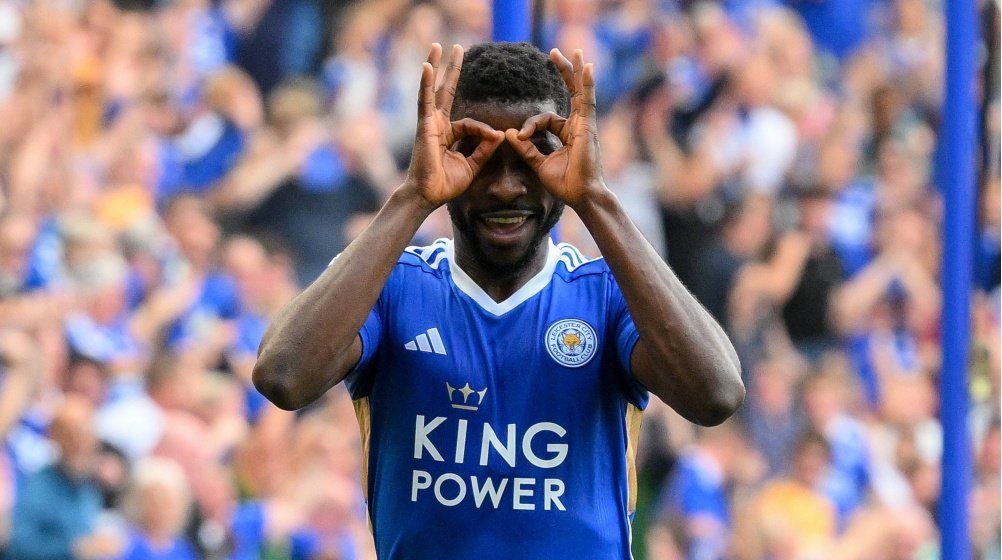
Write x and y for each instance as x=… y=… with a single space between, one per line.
x=276 y=384
x=722 y=402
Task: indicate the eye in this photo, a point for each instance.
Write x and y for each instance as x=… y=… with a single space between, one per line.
x=465 y=146
x=546 y=142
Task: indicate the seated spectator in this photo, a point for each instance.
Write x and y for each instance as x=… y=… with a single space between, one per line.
x=265 y=276
x=695 y=502
x=19 y=370
x=827 y=398
x=771 y=410
x=56 y=512
x=790 y=518
x=203 y=322
x=23 y=243
x=102 y=329
x=327 y=532
x=157 y=505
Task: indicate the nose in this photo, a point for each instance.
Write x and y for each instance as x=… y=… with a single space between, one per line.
x=509 y=181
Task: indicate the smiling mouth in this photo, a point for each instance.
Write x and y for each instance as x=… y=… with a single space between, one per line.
x=507 y=221
x=505 y=228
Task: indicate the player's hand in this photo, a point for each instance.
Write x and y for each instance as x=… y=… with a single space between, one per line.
x=573 y=172
x=438 y=172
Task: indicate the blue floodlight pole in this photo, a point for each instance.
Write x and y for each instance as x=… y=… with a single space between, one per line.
x=512 y=20
x=956 y=177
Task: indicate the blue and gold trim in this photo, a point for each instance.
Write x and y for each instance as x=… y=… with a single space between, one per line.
x=364 y=417
x=634 y=418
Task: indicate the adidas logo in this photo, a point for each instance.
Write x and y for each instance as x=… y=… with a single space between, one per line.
x=429 y=341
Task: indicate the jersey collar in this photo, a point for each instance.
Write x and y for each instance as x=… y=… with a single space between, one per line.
x=532 y=287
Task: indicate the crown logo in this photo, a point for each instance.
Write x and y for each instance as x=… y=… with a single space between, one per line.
x=467 y=392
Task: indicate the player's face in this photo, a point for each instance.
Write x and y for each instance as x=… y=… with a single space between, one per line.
x=503 y=218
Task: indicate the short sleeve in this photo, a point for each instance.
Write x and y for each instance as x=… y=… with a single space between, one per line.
x=625 y=337
x=359 y=379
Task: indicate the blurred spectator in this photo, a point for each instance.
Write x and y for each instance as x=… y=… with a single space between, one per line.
x=351 y=75
x=743 y=237
x=310 y=198
x=171 y=173
x=157 y=504
x=19 y=369
x=774 y=419
x=839 y=28
x=696 y=503
x=790 y=518
x=827 y=397
x=278 y=39
x=265 y=274
x=56 y=512
x=204 y=321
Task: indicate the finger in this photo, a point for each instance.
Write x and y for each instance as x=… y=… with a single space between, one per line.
x=435 y=59
x=525 y=149
x=485 y=149
x=448 y=90
x=544 y=121
x=565 y=68
x=426 y=93
x=471 y=127
x=577 y=60
x=589 y=104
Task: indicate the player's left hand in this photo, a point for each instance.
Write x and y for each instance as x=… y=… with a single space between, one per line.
x=573 y=172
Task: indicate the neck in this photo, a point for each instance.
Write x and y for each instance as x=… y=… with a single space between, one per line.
x=496 y=281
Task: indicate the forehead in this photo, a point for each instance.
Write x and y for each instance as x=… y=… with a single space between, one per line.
x=502 y=116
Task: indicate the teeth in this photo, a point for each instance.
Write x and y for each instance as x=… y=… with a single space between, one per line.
x=517 y=220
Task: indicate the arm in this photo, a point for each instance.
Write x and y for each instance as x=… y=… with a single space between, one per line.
x=779 y=276
x=259 y=173
x=683 y=355
x=853 y=302
x=683 y=179
x=313 y=342
x=22 y=375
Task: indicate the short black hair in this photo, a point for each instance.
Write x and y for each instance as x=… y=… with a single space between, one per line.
x=510 y=73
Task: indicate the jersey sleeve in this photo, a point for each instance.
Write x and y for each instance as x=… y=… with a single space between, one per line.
x=359 y=379
x=626 y=337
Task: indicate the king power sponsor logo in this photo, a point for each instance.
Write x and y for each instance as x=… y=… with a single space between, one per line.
x=453 y=441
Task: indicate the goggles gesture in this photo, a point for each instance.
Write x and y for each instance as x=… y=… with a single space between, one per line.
x=437 y=172
x=573 y=171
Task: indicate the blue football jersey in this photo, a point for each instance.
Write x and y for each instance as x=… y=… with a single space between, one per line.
x=498 y=430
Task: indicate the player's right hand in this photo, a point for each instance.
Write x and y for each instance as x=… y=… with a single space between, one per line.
x=437 y=172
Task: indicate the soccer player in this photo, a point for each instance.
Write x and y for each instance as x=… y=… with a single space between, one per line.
x=499 y=379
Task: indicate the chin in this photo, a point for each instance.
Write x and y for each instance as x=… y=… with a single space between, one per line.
x=505 y=261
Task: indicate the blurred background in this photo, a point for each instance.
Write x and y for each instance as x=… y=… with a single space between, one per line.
x=172 y=172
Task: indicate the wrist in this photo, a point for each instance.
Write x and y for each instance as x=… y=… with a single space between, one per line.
x=596 y=199
x=409 y=193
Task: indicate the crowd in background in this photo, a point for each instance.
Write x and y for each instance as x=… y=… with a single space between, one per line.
x=173 y=172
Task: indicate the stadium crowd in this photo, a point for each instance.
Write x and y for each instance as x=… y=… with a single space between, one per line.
x=173 y=172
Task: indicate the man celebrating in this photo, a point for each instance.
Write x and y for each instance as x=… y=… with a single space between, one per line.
x=498 y=379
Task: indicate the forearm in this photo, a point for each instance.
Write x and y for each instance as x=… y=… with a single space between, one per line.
x=855 y=299
x=311 y=344
x=683 y=356
x=17 y=391
x=251 y=182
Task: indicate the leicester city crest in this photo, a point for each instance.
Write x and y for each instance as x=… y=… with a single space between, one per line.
x=571 y=342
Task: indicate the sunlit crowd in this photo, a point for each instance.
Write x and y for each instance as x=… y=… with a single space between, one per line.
x=173 y=172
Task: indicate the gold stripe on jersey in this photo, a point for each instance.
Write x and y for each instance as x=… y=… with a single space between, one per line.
x=362 y=413
x=634 y=417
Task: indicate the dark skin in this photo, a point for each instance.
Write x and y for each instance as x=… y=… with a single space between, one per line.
x=504 y=169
